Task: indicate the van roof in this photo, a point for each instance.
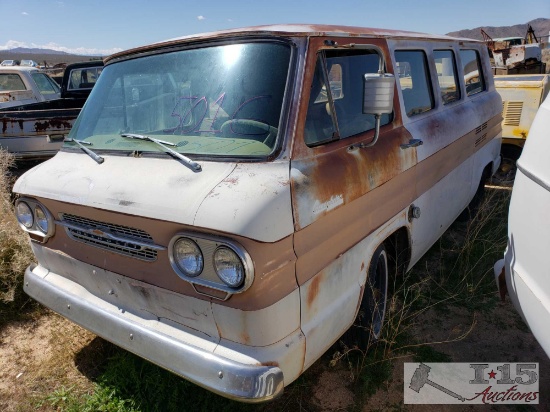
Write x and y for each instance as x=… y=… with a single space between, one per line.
x=292 y=30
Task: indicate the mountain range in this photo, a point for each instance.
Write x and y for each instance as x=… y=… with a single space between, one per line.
x=24 y=50
x=541 y=26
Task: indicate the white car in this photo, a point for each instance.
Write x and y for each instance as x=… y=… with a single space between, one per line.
x=29 y=63
x=9 y=63
x=524 y=272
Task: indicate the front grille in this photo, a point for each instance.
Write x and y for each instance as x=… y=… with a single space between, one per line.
x=129 y=241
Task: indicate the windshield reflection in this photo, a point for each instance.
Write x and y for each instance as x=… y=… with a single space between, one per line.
x=219 y=100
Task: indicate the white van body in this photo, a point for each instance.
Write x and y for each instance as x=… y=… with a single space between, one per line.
x=228 y=203
x=524 y=266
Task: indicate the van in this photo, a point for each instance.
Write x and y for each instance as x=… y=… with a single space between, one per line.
x=523 y=274
x=227 y=205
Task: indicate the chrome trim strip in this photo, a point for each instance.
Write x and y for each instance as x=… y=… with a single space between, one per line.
x=224 y=376
x=107 y=235
x=534 y=178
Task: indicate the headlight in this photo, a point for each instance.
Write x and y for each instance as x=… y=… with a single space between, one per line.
x=188 y=257
x=24 y=215
x=228 y=266
x=41 y=219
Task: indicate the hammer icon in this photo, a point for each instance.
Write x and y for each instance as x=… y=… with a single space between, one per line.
x=420 y=378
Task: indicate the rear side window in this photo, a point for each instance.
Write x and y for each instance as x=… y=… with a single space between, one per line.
x=473 y=75
x=45 y=84
x=84 y=78
x=11 y=82
x=447 y=75
x=414 y=80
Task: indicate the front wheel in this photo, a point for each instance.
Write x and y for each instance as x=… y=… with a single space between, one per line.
x=370 y=319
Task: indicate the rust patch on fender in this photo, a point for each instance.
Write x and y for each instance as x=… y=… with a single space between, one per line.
x=245 y=338
x=313 y=289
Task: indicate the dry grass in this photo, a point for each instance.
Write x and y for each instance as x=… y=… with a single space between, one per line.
x=15 y=251
x=31 y=367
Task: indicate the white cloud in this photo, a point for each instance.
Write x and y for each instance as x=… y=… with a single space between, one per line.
x=12 y=44
x=201 y=18
x=25 y=13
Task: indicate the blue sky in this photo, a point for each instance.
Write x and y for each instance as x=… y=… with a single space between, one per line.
x=106 y=26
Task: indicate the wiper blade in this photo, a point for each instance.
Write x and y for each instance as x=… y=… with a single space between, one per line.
x=93 y=155
x=188 y=162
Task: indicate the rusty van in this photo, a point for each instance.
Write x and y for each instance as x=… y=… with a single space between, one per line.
x=228 y=205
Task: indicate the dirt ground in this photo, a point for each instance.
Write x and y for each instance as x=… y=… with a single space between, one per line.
x=497 y=336
x=30 y=354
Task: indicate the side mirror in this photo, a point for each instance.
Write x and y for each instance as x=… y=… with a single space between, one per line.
x=377 y=99
x=378 y=93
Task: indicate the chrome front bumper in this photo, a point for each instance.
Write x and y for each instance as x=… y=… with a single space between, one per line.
x=226 y=377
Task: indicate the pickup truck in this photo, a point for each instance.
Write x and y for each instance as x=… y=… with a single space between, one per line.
x=521 y=97
x=35 y=113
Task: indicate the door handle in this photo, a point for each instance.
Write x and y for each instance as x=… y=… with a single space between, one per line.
x=412 y=143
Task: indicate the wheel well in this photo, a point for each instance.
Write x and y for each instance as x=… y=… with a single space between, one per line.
x=398 y=247
x=487 y=172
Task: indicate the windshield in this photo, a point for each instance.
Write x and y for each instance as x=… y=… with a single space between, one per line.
x=219 y=100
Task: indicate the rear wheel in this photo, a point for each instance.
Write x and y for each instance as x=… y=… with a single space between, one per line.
x=370 y=319
x=506 y=172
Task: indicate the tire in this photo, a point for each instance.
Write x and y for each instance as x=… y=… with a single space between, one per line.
x=472 y=209
x=367 y=327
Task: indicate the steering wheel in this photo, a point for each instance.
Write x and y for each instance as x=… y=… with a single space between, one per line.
x=250 y=129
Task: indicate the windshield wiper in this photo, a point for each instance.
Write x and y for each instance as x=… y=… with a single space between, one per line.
x=188 y=162
x=93 y=155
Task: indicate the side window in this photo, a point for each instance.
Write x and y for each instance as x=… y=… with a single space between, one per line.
x=335 y=81
x=84 y=78
x=11 y=82
x=344 y=75
x=473 y=75
x=447 y=75
x=414 y=80
x=45 y=84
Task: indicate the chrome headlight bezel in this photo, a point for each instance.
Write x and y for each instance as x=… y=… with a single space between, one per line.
x=37 y=231
x=209 y=276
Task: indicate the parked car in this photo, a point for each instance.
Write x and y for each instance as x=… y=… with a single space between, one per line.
x=523 y=273
x=29 y=63
x=9 y=63
x=35 y=112
x=229 y=205
x=25 y=85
